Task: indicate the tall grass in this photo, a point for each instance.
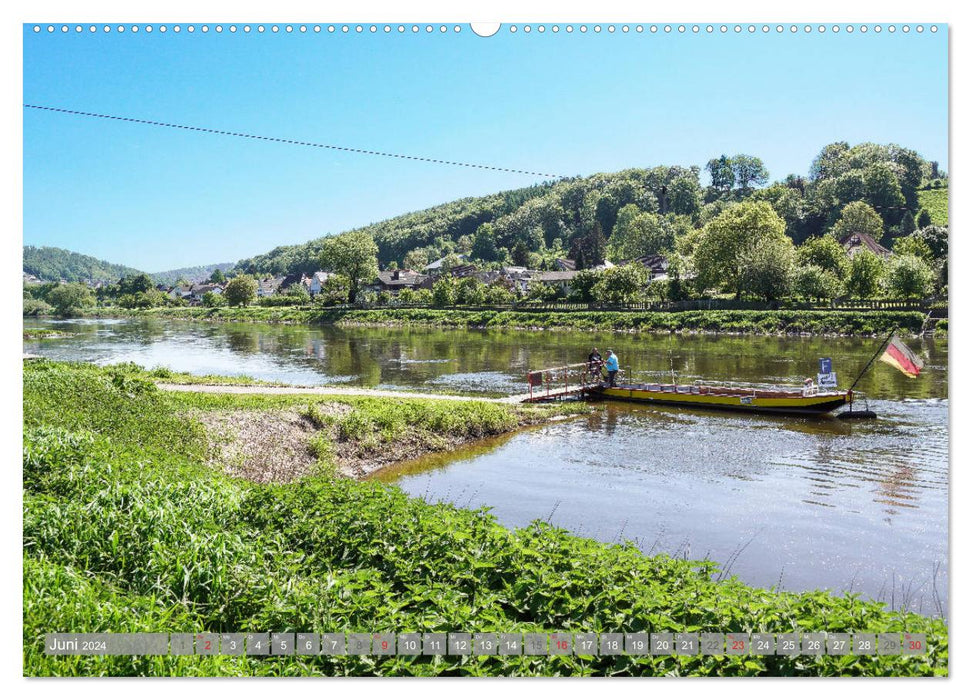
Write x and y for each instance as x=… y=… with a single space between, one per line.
x=125 y=530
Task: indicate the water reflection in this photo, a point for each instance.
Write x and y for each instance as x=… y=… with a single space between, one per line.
x=826 y=504
x=483 y=361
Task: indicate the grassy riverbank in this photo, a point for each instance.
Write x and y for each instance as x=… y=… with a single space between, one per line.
x=861 y=323
x=129 y=526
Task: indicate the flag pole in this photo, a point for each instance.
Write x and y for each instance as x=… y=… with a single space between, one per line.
x=875 y=355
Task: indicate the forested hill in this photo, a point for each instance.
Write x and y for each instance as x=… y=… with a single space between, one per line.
x=639 y=212
x=53 y=264
x=190 y=274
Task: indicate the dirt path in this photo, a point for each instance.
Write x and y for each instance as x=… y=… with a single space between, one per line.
x=329 y=391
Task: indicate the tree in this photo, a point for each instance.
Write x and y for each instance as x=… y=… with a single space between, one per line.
x=334 y=291
x=923 y=219
x=915 y=246
x=297 y=293
x=908 y=277
x=749 y=171
x=353 y=255
x=858 y=217
x=469 y=292
x=831 y=162
x=135 y=284
x=443 y=292
x=637 y=234
x=240 y=290
x=581 y=287
x=766 y=269
x=936 y=239
x=883 y=190
x=620 y=285
x=907 y=224
x=520 y=254
x=721 y=173
x=416 y=259
x=684 y=196
x=540 y=291
x=729 y=237
x=826 y=253
x=813 y=282
x=217 y=277
x=69 y=299
x=863 y=279
x=211 y=300
x=484 y=244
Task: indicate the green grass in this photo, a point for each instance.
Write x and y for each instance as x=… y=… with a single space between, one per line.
x=935 y=202
x=125 y=530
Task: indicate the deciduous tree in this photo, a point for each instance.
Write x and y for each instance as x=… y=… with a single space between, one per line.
x=908 y=277
x=240 y=290
x=727 y=240
x=863 y=278
x=353 y=255
x=858 y=217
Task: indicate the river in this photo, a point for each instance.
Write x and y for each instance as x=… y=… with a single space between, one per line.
x=798 y=503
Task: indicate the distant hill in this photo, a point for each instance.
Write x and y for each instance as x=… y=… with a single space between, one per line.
x=53 y=264
x=190 y=274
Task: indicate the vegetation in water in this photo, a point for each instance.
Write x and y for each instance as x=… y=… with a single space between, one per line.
x=741 y=321
x=126 y=529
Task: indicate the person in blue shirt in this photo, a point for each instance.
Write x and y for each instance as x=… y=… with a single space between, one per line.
x=613 y=366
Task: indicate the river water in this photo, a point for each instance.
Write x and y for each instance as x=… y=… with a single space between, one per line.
x=800 y=503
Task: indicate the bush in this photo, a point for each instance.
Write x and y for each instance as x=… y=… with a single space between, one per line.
x=813 y=282
x=36 y=307
x=211 y=300
x=908 y=277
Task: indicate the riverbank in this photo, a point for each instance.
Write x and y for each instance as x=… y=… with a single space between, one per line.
x=780 y=322
x=128 y=526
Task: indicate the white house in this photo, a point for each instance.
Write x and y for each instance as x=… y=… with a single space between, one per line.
x=316 y=282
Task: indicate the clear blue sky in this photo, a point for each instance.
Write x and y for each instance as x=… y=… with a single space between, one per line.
x=567 y=104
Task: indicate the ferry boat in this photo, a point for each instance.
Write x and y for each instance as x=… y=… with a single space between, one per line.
x=807 y=400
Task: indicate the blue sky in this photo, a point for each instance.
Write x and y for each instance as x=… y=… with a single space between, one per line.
x=569 y=104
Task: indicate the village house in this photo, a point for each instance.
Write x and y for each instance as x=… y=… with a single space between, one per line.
x=315 y=283
x=855 y=242
x=435 y=268
x=181 y=292
x=656 y=266
x=199 y=289
x=517 y=277
x=559 y=279
x=268 y=287
x=394 y=281
x=567 y=265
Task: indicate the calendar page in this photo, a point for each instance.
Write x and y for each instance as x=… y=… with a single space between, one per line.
x=400 y=347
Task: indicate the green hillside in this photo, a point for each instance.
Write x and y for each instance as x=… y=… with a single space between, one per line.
x=53 y=264
x=935 y=202
x=192 y=274
x=637 y=212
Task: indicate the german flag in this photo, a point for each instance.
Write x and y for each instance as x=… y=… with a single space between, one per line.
x=903 y=358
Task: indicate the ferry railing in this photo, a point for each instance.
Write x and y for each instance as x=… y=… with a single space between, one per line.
x=561 y=381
